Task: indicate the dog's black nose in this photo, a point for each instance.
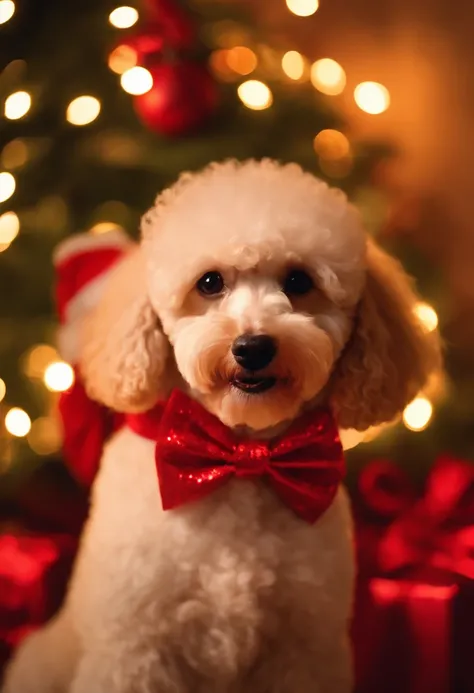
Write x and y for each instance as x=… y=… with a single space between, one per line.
x=254 y=351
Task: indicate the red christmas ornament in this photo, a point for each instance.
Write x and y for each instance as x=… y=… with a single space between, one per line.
x=183 y=97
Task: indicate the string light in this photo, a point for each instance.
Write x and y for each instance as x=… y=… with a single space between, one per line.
x=58 y=376
x=104 y=227
x=45 y=436
x=37 y=360
x=9 y=229
x=3 y=389
x=427 y=316
x=83 y=110
x=17 y=422
x=331 y=144
x=122 y=58
x=417 y=414
x=136 y=81
x=7 y=10
x=241 y=59
x=17 y=105
x=255 y=95
x=328 y=77
x=302 y=8
x=293 y=65
x=7 y=186
x=123 y=17
x=14 y=154
x=372 y=97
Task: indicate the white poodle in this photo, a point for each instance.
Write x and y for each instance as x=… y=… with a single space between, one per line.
x=256 y=292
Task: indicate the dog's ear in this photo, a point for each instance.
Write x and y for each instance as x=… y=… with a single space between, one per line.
x=390 y=355
x=124 y=352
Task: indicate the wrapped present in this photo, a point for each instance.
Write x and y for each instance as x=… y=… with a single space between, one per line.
x=83 y=263
x=412 y=630
x=34 y=569
x=38 y=541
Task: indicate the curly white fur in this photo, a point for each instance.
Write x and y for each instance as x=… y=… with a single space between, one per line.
x=233 y=594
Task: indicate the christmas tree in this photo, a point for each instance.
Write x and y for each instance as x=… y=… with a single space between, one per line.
x=90 y=136
x=105 y=106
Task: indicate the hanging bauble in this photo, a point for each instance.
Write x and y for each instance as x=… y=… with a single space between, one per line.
x=183 y=97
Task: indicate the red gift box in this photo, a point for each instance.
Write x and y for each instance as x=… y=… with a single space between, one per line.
x=34 y=570
x=412 y=630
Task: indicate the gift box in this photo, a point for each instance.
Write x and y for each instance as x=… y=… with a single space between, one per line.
x=414 y=608
x=34 y=569
x=38 y=541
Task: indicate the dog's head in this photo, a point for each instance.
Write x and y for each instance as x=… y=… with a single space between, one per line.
x=263 y=282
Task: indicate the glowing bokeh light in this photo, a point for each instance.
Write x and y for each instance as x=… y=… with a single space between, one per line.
x=9 y=229
x=123 y=17
x=7 y=186
x=104 y=227
x=372 y=97
x=38 y=358
x=83 y=110
x=241 y=60
x=417 y=414
x=122 y=58
x=14 y=154
x=17 y=105
x=302 y=8
x=136 y=81
x=3 y=389
x=58 y=376
x=17 y=422
x=45 y=436
x=7 y=10
x=328 y=77
x=331 y=144
x=293 y=65
x=427 y=316
x=255 y=95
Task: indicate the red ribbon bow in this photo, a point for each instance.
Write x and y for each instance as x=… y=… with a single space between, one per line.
x=196 y=454
x=435 y=531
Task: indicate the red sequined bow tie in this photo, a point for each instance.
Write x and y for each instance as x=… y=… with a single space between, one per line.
x=196 y=455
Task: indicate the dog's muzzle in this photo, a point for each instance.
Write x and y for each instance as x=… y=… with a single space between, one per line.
x=253 y=353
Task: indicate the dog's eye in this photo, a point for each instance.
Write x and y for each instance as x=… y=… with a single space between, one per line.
x=210 y=284
x=297 y=283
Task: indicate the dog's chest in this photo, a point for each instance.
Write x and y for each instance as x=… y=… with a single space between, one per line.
x=238 y=556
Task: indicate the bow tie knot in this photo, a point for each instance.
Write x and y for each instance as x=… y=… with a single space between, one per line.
x=251 y=459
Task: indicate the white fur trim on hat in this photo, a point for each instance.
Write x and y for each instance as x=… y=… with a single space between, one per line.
x=81 y=242
x=77 y=309
x=88 y=295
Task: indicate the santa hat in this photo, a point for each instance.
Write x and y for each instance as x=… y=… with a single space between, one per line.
x=82 y=264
